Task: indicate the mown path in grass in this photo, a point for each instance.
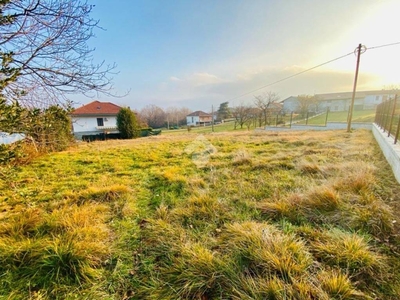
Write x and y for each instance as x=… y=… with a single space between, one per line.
x=246 y=215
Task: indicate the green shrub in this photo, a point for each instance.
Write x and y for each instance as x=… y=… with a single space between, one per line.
x=127 y=123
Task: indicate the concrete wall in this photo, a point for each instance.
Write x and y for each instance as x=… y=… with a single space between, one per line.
x=389 y=149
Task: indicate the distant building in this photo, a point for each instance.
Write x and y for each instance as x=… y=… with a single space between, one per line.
x=341 y=101
x=95 y=117
x=275 y=108
x=198 y=118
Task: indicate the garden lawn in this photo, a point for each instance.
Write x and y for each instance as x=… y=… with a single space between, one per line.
x=238 y=215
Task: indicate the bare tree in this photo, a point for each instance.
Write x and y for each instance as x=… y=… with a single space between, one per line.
x=176 y=115
x=263 y=102
x=242 y=114
x=153 y=115
x=44 y=52
x=306 y=103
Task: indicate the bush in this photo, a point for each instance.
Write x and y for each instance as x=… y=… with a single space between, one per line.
x=127 y=123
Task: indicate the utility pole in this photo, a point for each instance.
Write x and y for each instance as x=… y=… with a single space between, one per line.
x=212 y=118
x=358 y=50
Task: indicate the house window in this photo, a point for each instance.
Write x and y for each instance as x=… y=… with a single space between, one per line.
x=100 y=122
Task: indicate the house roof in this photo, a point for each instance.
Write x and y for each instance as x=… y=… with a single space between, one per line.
x=97 y=108
x=359 y=94
x=199 y=113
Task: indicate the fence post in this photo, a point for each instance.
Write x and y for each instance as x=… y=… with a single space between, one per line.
x=377 y=114
x=326 y=118
x=387 y=115
x=381 y=106
x=383 y=116
x=391 y=118
x=307 y=119
x=397 y=132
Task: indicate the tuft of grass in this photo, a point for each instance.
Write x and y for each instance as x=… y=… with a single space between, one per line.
x=196 y=273
x=65 y=261
x=323 y=199
x=260 y=288
x=241 y=157
x=310 y=168
x=280 y=209
x=267 y=251
x=356 y=178
x=349 y=251
x=103 y=194
x=371 y=215
x=339 y=286
x=162 y=212
x=25 y=223
x=202 y=210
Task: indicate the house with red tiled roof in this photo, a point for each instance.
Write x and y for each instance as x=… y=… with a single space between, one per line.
x=198 y=118
x=95 y=117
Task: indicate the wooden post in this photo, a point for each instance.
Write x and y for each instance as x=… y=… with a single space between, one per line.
x=212 y=118
x=354 y=89
x=326 y=118
x=291 y=118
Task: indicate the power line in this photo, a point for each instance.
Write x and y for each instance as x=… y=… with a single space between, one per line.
x=291 y=76
x=299 y=73
x=381 y=46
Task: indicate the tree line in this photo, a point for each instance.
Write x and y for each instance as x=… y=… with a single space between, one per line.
x=265 y=110
x=258 y=113
x=156 y=117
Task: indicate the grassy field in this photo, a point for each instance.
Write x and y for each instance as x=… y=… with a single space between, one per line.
x=227 y=126
x=244 y=215
x=367 y=116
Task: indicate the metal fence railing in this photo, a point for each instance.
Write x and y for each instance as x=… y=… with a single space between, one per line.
x=388 y=117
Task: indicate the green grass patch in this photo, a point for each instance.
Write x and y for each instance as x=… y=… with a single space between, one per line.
x=364 y=116
x=225 y=215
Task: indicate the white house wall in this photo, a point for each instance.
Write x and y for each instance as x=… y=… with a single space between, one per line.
x=371 y=101
x=192 y=121
x=89 y=124
x=290 y=104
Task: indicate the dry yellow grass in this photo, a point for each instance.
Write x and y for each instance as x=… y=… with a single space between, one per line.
x=246 y=215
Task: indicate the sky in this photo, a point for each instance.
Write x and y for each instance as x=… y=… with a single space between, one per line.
x=200 y=53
